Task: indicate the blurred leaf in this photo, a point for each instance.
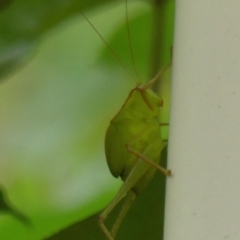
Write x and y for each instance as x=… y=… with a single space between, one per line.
x=143 y=221
x=54 y=101
x=4 y=4
x=6 y=207
x=23 y=22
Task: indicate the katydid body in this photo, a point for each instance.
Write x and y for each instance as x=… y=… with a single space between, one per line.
x=133 y=143
x=133 y=146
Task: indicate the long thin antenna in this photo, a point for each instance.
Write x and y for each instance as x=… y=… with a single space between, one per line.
x=129 y=41
x=109 y=47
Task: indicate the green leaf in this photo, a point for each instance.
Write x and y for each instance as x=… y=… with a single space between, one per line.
x=23 y=23
x=6 y=207
x=54 y=116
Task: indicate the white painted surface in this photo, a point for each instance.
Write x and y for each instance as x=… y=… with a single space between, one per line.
x=203 y=196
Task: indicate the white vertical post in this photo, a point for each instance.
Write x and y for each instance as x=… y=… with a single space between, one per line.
x=203 y=196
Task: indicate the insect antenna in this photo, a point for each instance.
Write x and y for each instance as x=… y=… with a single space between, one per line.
x=130 y=41
x=110 y=48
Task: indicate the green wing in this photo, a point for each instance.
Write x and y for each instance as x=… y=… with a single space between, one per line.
x=116 y=153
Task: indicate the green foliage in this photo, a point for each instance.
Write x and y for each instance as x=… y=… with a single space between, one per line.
x=23 y=22
x=5 y=207
x=54 y=113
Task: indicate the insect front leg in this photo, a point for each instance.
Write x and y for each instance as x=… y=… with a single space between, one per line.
x=162 y=125
x=149 y=161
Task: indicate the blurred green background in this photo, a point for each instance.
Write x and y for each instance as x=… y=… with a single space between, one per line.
x=54 y=113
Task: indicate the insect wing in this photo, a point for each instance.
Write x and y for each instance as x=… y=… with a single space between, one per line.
x=115 y=149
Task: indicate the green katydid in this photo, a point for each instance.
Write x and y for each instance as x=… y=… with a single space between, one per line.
x=133 y=145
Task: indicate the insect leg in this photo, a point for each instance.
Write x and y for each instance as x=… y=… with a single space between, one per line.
x=124 y=191
x=149 y=161
x=103 y=216
x=129 y=199
x=136 y=173
x=164 y=124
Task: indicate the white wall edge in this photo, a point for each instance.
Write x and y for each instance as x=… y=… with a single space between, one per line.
x=203 y=196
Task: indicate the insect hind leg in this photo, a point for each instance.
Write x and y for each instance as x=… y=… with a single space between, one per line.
x=134 y=176
x=129 y=199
